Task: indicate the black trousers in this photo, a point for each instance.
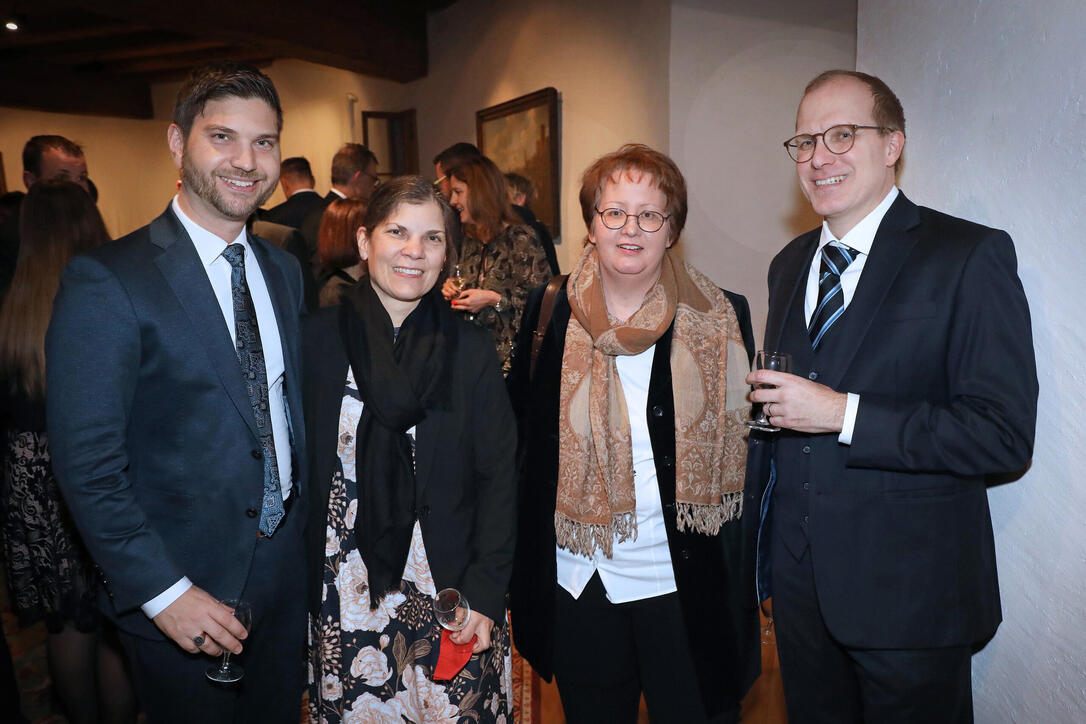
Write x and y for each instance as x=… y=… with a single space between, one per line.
x=606 y=654
x=170 y=683
x=826 y=682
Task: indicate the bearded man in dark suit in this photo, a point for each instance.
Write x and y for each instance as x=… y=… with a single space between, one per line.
x=913 y=378
x=175 y=418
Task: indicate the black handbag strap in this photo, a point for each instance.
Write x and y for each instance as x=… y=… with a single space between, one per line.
x=546 y=309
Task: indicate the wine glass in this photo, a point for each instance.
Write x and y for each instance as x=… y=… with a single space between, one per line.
x=227 y=671
x=779 y=362
x=452 y=609
x=457 y=277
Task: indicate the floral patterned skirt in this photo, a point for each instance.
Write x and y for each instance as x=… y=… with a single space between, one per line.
x=375 y=666
x=49 y=572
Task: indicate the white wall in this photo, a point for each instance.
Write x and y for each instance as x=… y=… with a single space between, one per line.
x=607 y=58
x=737 y=72
x=996 y=123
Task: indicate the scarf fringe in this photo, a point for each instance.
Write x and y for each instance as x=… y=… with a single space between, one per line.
x=708 y=519
x=584 y=539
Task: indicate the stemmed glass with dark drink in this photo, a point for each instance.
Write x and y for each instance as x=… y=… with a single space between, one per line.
x=778 y=362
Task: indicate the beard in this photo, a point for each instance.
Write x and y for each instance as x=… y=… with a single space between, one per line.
x=204 y=185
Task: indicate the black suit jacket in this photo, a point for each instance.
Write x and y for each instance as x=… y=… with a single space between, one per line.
x=292 y=211
x=465 y=492
x=714 y=575
x=937 y=343
x=153 y=438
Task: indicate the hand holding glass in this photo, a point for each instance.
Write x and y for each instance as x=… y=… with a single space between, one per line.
x=227 y=671
x=451 y=609
x=778 y=362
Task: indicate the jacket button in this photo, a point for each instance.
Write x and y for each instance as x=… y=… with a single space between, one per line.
x=806 y=485
x=256 y=454
x=657 y=411
x=666 y=461
x=806 y=448
x=251 y=512
x=669 y=507
x=424 y=511
x=685 y=553
x=812 y=375
x=804 y=521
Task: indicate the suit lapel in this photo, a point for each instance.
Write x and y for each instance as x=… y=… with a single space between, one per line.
x=893 y=244
x=795 y=263
x=185 y=274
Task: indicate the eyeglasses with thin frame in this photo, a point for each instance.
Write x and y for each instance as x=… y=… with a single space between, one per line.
x=648 y=221
x=837 y=140
x=376 y=179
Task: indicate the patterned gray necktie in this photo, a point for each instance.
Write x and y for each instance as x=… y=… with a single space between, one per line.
x=831 y=298
x=251 y=357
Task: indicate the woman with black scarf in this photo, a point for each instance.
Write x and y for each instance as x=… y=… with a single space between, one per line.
x=411 y=463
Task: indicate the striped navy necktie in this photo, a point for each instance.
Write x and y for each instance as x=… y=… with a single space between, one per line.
x=831 y=298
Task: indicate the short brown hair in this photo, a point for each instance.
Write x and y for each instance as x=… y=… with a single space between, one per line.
x=886 y=108
x=488 y=200
x=225 y=79
x=417 y=191
x=349 y=160
x=36 y=146
x=521 y=185
x=337 y=240
x=636 y=158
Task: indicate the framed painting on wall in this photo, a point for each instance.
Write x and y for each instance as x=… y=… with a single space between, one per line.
x=521 y=136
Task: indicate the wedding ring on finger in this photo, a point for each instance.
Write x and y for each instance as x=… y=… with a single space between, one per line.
x=768 y=409
x=198 y=640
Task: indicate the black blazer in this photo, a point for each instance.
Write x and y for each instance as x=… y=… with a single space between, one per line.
x=292 y=211
x=152 y=434
x=465 y=490
x=714 y=575
x=937 y=343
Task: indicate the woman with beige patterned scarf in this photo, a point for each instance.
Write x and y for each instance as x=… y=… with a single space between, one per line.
x=633 y=572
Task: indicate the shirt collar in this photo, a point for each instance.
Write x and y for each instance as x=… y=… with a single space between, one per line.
x=862 y=236
x=304 y=191
x=338 y=193
x=209 y=247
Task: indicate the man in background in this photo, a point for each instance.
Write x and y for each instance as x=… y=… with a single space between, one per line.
x=521 y=192
x=297 y=182
x=913 y=378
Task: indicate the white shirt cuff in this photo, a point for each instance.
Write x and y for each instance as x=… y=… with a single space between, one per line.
x=159 y=603
x=852 y=404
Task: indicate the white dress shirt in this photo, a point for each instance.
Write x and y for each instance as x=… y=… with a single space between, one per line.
x=860 y=237
x=210 y=247
x=640 y=568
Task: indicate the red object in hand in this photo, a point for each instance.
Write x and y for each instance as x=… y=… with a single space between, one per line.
x=451 y=656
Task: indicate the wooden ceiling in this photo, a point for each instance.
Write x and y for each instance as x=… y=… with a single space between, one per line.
x=101 y=56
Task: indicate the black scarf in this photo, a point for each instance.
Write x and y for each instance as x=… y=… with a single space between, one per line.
x=398 y=381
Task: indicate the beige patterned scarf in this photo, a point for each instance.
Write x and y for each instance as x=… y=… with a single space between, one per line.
x=708 y=366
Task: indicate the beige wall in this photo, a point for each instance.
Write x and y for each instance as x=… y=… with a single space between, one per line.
x=607 y=58
x=737 y=72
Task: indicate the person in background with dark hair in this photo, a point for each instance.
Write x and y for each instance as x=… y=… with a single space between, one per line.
x=337 y=248
x=296 y=179
x=521 y=193
x=44 y=157
x=913 y=379
x=412 y=472
x=49 y=572
x=175 y=418
x=500 y=259
x=634 y=572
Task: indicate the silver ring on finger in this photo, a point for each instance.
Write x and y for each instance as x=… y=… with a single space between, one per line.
x=769 y=409
x=198 y=640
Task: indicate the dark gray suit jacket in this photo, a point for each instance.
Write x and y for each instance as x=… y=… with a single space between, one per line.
x=153 y=439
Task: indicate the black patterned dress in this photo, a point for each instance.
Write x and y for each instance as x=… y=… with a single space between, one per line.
x=512 y=264
x=375 y=666
x=49 y=572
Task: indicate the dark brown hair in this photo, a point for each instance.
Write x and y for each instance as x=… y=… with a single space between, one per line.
x=36 y=146
x=633 y=160
x=886 y=108
x=57 y=220
x=337 y=241
x=225 y=79
x=411 y=190
x=488 y=200
x=349 y=160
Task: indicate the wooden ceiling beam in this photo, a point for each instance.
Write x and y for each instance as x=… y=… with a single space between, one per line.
x=28 y=85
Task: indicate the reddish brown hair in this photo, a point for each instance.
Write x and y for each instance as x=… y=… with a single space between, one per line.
x=633 y=160
x=57 y=220
x=488 y=199
x=337 y=240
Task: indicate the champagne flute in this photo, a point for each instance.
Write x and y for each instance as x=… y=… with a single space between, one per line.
x=458 y=278
x=779 y=362
x=227 y=671
x=451 y=609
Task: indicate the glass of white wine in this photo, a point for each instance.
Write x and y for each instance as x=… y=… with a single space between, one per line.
x=779 y=362
x=452 y=609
